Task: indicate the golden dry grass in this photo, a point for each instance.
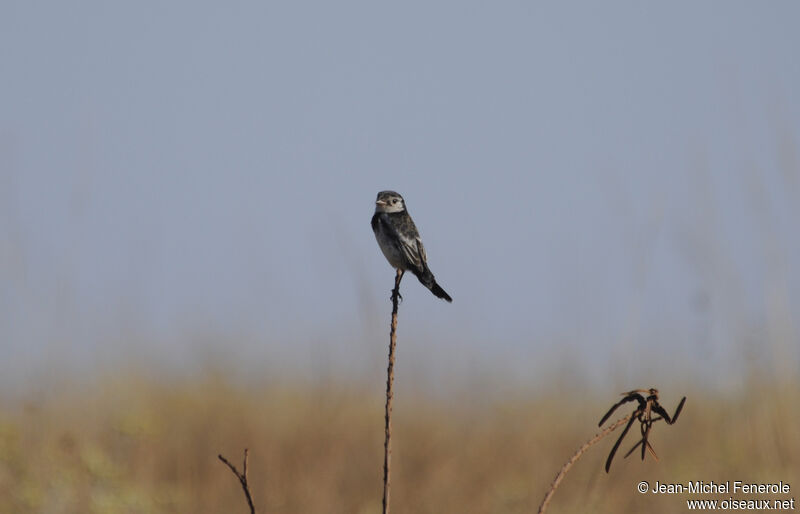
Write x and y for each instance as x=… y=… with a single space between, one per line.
x=132 y=445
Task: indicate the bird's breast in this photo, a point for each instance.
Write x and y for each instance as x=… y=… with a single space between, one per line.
x=390 y=247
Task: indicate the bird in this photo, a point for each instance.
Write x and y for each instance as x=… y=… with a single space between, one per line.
x=400 y=242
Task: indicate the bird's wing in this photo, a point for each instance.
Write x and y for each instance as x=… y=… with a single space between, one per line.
x=413 y=250
x=409 y=243
x=421 y=252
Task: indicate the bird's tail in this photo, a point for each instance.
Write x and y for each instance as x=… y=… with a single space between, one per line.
x=427 y=280
x=439 y=292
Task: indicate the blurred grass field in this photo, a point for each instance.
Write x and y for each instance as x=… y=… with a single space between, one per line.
x=132 y=444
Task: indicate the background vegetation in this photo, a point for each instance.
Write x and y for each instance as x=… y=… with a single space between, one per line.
x=131 y=443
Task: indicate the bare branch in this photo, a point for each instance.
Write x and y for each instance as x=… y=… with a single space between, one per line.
x=577 y=455
x=242 y=477
x=387 y=444
x=646 y=406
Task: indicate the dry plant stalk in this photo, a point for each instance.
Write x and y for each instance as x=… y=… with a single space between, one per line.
x=387 y=443
x=242 y=477
x=577 y=455
x=646 y=406
x=644 y=414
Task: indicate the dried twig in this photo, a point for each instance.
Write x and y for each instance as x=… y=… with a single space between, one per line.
x=577 y=455
x=242 y=479
x=644 y=414
x=387 y=444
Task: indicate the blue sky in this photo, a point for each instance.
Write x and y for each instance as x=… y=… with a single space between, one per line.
x=593 y=183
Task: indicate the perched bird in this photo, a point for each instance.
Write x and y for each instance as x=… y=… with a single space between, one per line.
x=400 y=242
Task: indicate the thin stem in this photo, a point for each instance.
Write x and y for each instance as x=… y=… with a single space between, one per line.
x=577 y=455
x=242 y=477
x=387 y=444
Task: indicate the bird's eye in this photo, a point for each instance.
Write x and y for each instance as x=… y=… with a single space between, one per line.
x=394 y=200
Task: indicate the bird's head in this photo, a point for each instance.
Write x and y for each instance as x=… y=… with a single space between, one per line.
x=389 y=201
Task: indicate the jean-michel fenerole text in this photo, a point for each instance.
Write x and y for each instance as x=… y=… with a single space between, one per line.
x=726 y=487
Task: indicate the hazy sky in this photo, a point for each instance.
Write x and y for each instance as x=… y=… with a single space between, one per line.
x=608 y=180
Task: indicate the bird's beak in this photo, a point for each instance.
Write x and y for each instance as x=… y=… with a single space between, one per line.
x=380 y=202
